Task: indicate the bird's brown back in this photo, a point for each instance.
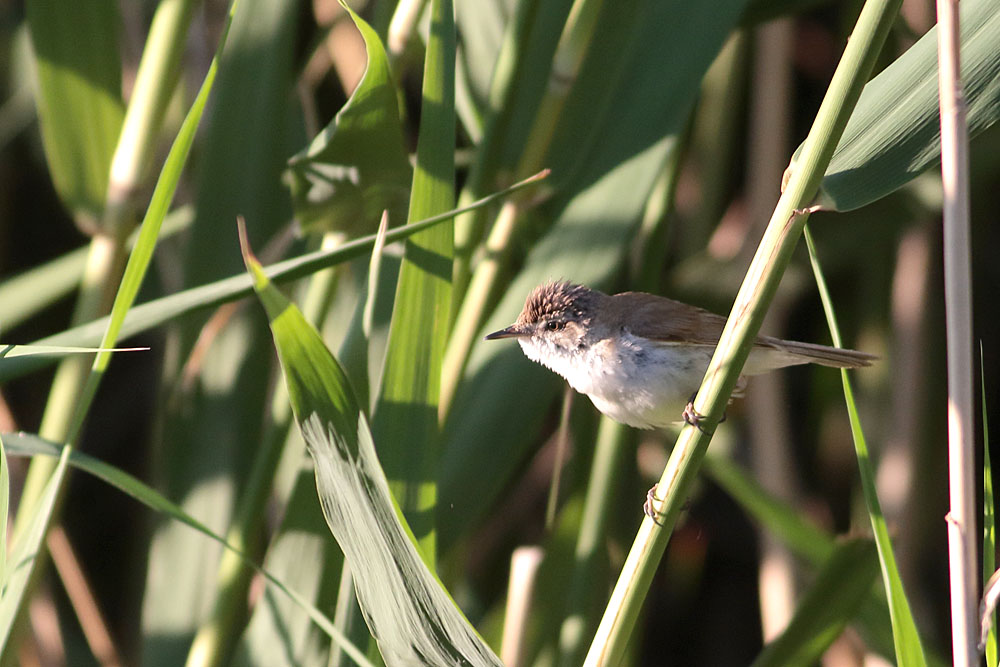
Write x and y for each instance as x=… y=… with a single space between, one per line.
x=662 y=319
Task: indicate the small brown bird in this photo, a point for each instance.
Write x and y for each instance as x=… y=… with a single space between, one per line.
x=639 y=356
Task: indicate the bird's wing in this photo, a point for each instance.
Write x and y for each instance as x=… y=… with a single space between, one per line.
x=669 y=321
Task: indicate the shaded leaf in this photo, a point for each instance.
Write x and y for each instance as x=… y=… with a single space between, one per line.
x=79 y=96
x=249 y=131
x=832 y=600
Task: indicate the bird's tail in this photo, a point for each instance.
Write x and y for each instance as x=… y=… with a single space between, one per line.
x=823 y=355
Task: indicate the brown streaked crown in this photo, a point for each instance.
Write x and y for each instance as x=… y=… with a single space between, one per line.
x=556 y=299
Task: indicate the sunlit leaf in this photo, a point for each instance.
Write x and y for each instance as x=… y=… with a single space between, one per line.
x=406 y=414
x=406 y=607
x=894 y=133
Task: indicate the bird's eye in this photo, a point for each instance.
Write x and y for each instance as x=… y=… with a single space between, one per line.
x=554 y=325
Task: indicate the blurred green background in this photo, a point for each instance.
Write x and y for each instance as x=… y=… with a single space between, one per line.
x=667 y=126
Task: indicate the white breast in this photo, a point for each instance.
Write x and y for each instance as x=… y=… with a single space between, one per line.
x=644 y=385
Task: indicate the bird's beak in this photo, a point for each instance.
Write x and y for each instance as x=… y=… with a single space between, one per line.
x=513 y=331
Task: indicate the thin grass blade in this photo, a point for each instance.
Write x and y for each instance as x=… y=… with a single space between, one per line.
x=25 y=551
x=160 y=311
x=909 y=649
x=55 y=352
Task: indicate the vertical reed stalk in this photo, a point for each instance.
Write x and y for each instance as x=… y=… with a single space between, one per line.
x=958 y=326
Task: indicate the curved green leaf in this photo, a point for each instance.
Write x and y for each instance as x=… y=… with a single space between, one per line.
x=357 y=166
x=407 y=609
x=909 y=649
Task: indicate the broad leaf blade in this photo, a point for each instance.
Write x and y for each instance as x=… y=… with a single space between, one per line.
x=894 y=133
x=79 y=96
x=407 y=609
x=357 y=166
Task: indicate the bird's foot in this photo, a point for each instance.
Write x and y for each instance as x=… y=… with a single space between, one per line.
x=695 y=418
x=647 y=507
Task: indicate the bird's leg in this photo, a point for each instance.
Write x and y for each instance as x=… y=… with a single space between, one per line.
x=695 y=418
